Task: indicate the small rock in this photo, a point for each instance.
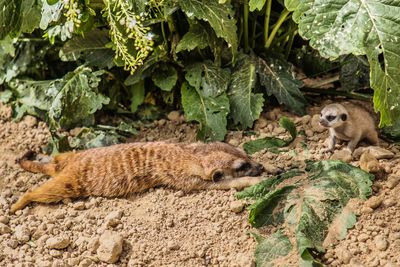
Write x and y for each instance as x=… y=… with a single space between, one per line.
x=369 y=163
x=315 y=125
x=172 y=245
x=85 y=263
x=380 y=153
x=271 y=169
x=344 y=256
x=4 y=219
x=22 y=234
x=373 y=202
x=80 y=205
x=236 y=206
x=4 y=229
x=389 y=202
x=174 y=116
x=113 y=218
x=93 y=245
x=363 y=237
x=30 y=121
x=392 y=181
x=381 y=243
x=260 y=123
x=110 y=247
x=343 y=155
x=58 y=242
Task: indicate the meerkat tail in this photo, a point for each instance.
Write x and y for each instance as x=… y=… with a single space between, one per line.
x=237 y=183
x=37 y=167
x=54 y=190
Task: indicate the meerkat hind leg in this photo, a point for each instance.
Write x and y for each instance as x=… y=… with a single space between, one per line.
x=54 y=190
x=238 y=183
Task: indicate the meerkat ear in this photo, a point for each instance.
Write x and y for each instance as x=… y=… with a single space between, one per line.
x=217 y=175
x=343 y=117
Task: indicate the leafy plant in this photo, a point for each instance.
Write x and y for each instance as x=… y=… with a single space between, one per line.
x=305 y=209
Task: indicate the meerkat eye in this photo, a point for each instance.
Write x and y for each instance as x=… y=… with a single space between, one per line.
x=243 y=167
x=330 y=117
x=217 y=175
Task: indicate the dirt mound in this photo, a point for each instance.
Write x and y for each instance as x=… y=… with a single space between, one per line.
x=164 y=227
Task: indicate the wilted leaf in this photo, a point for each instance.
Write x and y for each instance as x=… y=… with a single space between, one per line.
x=220 y=17
x=306 y=209
x=165 y=77
x=245 y=106
x=276 y=76
x=252 y=147
x=91 y=48
x=210 y=112
x=271 y=248
x=361 y=28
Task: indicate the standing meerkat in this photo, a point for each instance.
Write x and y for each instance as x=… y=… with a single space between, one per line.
x=122 y=169
x=349 y=123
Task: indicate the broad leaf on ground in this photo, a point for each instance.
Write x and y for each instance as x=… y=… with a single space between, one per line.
x=91 y=48
x=252 y=147
x=306 y=208
x=361 y=28
x=277 y=78
x=245 y=106
x=220 y=17
x=271 y=248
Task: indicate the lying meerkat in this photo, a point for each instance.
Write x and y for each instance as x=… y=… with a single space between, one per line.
x=122 y=169
x=350 y=123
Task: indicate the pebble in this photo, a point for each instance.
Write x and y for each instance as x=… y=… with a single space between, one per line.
x=236 y=206
x=4 y=229
x=4 y=219
x=381 y=243
x=362 y=237
x=260 y=123
x=22 y=234
x=392 y=181
x=80 y=205
x=171 y=245
x=389 y=202
x=343 y=155
x=113 y=218
x=110 y=247
x=373 y=202
x=58 y=242
x=174 y=116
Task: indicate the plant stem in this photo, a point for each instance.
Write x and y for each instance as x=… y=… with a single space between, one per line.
x=253 y=34
x=278 y=24
x=266 y=21
x=336 y=93
x=293 y=32
x=324 y=81
x=246 y=26
x=163 y=32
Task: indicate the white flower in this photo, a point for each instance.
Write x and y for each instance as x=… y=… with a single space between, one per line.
x=132 y=23
x=150 y=36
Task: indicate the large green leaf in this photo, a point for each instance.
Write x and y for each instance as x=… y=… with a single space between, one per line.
x=196 y=37
x=277 y=78
x=354 y=73
x=271 y=248
x=245 y=106
x=211 y=79
x=360 y=27
x=210 y=112
x=66 y=102
x=220 y=16
x=31 y=15
x=256 y=4
x=10 y=12
x=91 y=48
x=305 y=209
x=165 y=77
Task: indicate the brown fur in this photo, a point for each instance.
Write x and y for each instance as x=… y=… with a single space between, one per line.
x=119 y=170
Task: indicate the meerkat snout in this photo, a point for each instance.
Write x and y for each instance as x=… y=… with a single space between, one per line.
x=333 y=116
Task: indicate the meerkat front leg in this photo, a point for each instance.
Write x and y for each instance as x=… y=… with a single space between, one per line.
x=331 y=141
x=353 y=143
x=237 y=183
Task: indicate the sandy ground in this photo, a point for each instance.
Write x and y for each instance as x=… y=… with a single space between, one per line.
x=164 y=227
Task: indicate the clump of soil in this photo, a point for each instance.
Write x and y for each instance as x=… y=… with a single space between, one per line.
x=164 y=227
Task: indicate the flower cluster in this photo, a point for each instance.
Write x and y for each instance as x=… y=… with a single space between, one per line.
x=73 y=13
x=132 y=40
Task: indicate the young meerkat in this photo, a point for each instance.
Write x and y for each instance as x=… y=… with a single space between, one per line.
x=122 y=169
x=349 y=123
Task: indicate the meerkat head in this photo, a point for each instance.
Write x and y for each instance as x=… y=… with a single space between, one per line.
x=223 y=161
x=333 y=115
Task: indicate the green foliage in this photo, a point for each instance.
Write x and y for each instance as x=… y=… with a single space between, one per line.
x=252 y=147
x=337 y=28
x=305 y=209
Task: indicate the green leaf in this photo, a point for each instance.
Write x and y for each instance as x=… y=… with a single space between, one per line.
x=10 y=14
x=196 y=37
x=354 y=73
x=252 y=147
x=273 y=247
x=165 y=77
x=5 y=96
x=245 y=106
x=137 y=91
x=361 y=28
x=91 y=48
x=311 y=62
x=306 y=209
x=256 y=4
x=277 y=78
x=220 y=16
x=210 y=112
x=31 y=15
x=212 y=80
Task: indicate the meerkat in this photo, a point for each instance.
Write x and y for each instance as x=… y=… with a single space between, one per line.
x=349 y=123
x=119 y=170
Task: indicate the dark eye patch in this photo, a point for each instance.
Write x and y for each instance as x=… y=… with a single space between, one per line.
x=330 y=117
x=217 y=176
x=244 y=166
